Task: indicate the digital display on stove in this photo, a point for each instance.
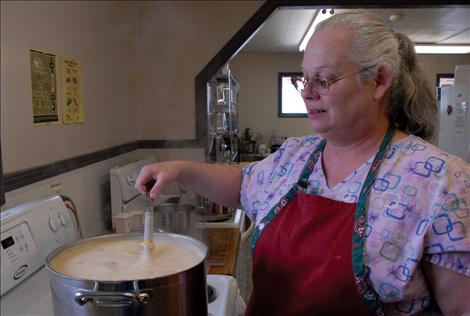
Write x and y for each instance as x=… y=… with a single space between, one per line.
x=7 y=242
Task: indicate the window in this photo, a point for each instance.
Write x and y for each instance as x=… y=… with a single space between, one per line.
x=290 y=101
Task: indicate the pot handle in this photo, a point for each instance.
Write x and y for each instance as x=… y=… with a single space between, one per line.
x=110 y=299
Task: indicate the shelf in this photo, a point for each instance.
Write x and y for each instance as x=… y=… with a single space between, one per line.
x=222 y=118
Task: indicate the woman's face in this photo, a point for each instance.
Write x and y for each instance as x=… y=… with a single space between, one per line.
x=349 y=104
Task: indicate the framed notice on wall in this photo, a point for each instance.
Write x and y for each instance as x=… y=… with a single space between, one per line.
x=72 y=104
x=43 y=84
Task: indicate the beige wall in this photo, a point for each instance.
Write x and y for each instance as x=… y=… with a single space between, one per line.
x=100 y=35
x=139 y=61
x=89 y=186
x=438 y=64
x=175 y=41
x=257 y=74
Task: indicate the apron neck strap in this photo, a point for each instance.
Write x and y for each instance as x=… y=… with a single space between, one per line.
x=302 y=183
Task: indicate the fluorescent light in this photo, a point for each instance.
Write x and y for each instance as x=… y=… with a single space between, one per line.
x=420 y=49
x=442 y=49
x=318 y=18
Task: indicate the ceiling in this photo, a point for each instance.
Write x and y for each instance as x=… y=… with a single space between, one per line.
x=285 y=28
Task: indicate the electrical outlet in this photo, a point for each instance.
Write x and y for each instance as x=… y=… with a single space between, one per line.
x=56 y=187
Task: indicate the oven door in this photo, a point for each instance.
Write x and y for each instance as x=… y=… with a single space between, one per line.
x=31 y=297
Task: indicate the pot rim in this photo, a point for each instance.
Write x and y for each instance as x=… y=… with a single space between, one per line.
x=57 y=251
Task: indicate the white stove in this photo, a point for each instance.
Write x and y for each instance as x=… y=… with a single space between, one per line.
x=30 y=231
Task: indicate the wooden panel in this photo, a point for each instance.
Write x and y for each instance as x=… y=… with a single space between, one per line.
x=223 y=246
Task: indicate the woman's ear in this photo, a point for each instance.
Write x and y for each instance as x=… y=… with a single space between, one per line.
x=383 y=81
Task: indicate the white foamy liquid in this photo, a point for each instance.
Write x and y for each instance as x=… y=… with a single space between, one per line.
x=123 y=259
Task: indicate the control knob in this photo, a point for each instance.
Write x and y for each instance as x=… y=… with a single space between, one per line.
x=53 y=224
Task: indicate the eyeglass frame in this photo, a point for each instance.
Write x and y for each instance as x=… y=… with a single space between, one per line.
x=328 y=82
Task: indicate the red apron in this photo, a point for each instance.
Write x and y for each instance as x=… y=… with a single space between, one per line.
x=302 y=261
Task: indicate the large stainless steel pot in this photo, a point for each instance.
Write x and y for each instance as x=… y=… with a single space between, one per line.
x=183 y=293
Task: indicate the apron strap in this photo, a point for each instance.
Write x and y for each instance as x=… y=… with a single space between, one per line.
x=361 y=273
x=302 y=184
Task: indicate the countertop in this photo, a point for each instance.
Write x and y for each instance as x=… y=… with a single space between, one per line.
x=223 y=246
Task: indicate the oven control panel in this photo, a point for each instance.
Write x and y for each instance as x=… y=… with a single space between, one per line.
x=17 y=245
x=29 y=233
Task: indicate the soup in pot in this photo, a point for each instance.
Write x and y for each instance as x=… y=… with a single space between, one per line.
x=124 y=259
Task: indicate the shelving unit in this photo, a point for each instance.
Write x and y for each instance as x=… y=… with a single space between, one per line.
x=222 y=117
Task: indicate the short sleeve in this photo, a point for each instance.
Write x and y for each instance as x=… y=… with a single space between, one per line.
x=255 y=175
x=247 y=173
x=447 y=241
x=265 y=182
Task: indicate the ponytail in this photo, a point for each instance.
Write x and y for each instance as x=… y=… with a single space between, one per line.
x=412 y=106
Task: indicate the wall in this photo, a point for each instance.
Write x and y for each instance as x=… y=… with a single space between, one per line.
x=257 y=74
x=176 y=39
x=139 y=61
x=100 y=35
x=89 y=187
x=438 y=64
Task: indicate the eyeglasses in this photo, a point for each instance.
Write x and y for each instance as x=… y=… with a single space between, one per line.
x=319 y=84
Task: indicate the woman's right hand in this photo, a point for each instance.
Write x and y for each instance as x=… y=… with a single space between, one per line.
x=163 y=173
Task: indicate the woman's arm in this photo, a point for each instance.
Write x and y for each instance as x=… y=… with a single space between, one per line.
x=219 y=183
x=451 y=289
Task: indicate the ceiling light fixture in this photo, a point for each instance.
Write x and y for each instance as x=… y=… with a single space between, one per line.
x=395 y=17
x=320 y=15
x=442 y=49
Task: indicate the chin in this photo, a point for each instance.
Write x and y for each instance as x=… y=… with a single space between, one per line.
x=318 y=128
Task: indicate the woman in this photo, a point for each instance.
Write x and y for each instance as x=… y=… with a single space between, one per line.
x=366 y=217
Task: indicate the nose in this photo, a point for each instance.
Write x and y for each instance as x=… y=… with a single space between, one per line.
x=310 y=94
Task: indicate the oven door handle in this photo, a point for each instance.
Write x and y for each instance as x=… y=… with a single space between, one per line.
x=110 y=299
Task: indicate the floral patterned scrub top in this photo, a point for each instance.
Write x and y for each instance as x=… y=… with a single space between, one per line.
x=418 y=209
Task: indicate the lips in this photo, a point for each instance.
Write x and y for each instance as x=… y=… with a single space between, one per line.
x=315 y=112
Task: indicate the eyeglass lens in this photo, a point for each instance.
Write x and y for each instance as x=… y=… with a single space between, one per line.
x=319 y=85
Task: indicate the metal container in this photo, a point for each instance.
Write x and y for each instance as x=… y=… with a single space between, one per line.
x=183 y=293
x=209 y=211
x=175 y=218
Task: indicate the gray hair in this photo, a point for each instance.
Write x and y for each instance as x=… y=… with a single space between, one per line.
x=411 y=104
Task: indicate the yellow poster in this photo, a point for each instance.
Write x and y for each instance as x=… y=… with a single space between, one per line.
x=43 y=84
x=72 y=104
